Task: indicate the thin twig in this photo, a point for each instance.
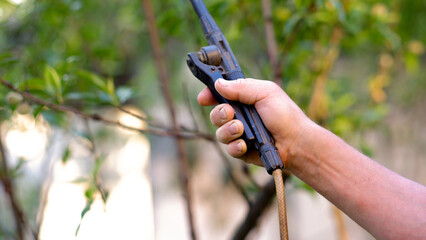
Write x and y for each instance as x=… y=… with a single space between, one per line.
x=261 y=203
x=229 y=169
x=21 y=224
x=271 y=42
x=95 y=153
x=225 y=158
x=47 y=172
x=140 y=117
x=189 y=105
x=165 y=88
x=96 y=117
x=228 y=165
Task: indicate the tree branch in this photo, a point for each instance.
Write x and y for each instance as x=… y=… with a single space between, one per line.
x=234 y=180
x=164 y=84
x=259 y=206
x=19 y=216
x=140 y=117
x=271 y=42
x=228 y=165
x=62 y=108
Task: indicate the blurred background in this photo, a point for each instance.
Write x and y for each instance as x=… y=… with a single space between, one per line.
x=101 y=136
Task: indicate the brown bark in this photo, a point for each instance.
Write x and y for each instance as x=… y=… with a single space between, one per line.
x=164 y=84
x=271 y=42
x=259 y=206
x=20 y=219
x=159 y=131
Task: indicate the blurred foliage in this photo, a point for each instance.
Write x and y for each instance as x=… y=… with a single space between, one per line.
x=95 y=53
x=92 y=54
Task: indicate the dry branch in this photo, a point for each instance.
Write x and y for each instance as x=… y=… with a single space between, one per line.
x=164 y=132
x=21 y=224
x=271 y=42
x=259 y=206
x=164 y=84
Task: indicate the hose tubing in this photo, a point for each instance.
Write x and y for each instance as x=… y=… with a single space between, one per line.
x=282 y=215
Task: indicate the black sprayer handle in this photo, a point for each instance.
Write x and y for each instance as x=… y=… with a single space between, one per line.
x=254 y=130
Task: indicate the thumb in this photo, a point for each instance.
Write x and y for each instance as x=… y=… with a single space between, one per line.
x=245 y=90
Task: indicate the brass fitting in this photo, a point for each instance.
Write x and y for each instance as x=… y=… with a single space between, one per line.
x=210 y=55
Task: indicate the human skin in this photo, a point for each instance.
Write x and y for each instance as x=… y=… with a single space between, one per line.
x=387 y=205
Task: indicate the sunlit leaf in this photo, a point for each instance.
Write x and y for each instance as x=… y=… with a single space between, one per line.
x=92 y=78
x=53 y=82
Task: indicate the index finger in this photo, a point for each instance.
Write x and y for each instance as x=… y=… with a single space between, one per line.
x=206 y=98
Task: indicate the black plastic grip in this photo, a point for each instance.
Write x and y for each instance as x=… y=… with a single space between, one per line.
x=255 y=132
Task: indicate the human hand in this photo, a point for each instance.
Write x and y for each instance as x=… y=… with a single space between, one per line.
x=281 y=116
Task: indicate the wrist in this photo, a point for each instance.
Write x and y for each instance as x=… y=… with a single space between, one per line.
x=301 y=147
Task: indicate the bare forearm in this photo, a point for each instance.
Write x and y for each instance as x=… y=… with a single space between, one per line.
x=386 y=204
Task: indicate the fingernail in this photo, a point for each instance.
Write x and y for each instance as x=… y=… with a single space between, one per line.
x=234 y=129
x=239 y=147
x=223 y=82
x=222 y=113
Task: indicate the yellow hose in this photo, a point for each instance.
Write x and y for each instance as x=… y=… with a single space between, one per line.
x=282 y=214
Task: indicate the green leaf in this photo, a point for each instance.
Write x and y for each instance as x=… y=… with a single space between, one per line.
x=292 y=21
x=97 y=166
x=83 y=213
x=8 y=61
x=37 y=111
x=110 y=88
x=37 y=84
x=55 y=118
x=53 y=82
x=66 y=155
x=90 y=191
x=93 y=78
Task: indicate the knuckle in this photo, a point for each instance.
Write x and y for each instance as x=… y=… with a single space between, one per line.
x=271 y=85
x=229 y=131
x=229 y=110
